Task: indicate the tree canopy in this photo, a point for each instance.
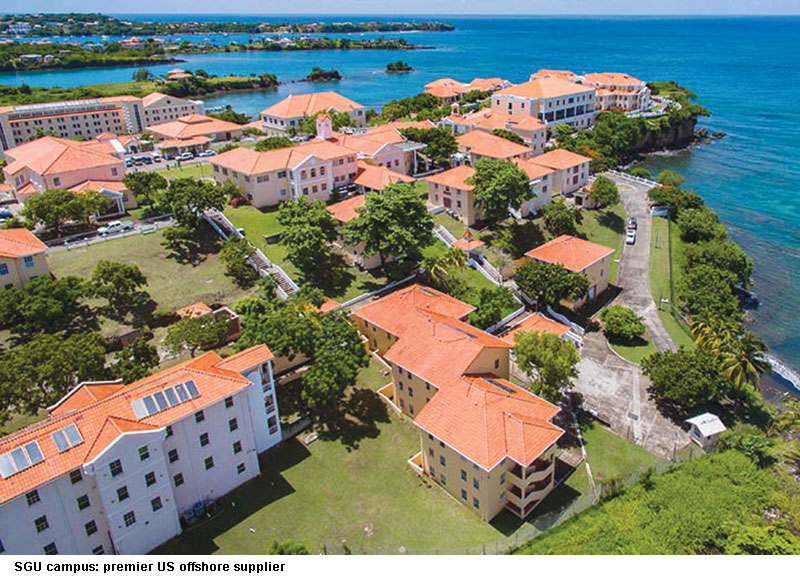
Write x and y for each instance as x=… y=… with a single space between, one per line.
x=120 y=284
x=548 y=284
x=685 y=377
x=559 y=218
x=499 y=185
x=56 y=206
x=604 y=191
x=273 y=143
x=43 y=305
x=187 y=198
x=509 y=135
x=309 y=229
x=491 y=304
x=440 y=144
x=202 y=332
x=135 y=361
x=622 y=323
x=145 y=186
x=549 y=359
x=234 y=255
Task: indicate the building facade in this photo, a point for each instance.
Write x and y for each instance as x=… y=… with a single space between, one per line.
x=551 y=100
x=571 y=171
x=22 y=258
x=117 y=469
x=279 y=119
x=530 y=129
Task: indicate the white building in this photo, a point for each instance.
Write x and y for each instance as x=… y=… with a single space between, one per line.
x=705 y=430
x=114 y=467
x=552 y=100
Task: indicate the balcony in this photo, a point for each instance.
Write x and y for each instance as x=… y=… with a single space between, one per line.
x=415 y=462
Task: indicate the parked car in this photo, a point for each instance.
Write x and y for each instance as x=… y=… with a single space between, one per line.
x=156 y=158
x=632 y=223
x=129 y=162
x=6 y=214
x=630 y=236
x=115 y=227
x=205 y=153
x=184 y=156
x=145 y=159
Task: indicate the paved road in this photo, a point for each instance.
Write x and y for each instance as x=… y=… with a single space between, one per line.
x=634 y=267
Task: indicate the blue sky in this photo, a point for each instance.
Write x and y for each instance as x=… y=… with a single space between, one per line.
x=411 y=6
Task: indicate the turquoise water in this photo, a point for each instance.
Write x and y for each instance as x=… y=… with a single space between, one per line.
x=743 y=69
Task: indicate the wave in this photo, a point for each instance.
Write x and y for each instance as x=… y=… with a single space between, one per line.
x=784 y=371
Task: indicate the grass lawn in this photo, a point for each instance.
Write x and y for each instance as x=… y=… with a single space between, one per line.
x=634 y=350
x=186 y=170
x=606 y=227
x=610 y=455
x=660 y=276
x=171 y=284
x=256 y=224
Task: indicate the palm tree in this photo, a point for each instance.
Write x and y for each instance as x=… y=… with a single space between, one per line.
x=439 y=268
x=743 y=360
x=713 y=333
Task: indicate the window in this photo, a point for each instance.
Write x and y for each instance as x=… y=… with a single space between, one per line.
x=75 y=476
x=442 y=479
x=410 y=391
x=50 y=549
x=122 y=493
x=442 y=461
x=150 y=479
x=400 y=385
x=129 y=518
x=476 y=503
x=475 y=484
x=99 y=551
x=199 y=416
x=115 y=467
x=233 y=424
x=56 y=182
x=240 y=468
x=463 y=495
x=497 y=363
x=83 y=502
x=204 y=439
x=237 y=447
x=156 y=504
x=3 y=269
x=32 y=497
x=178 y=479
x=169 y=431
x=2 y=547
x=463 y=475
x=172 y=455
x=91 y=527
x=432 y=471
x=144 y=454
x=41 y=524
x=229 y=402
x=209 y=463
x=430 y=451
x=503 y=479
x=28 y=261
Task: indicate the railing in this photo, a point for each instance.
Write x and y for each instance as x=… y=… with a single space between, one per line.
x=388 y=287
x=637 y=179
x=564 y=320
x=444 y=235
x=475 y=264
x=501 y=323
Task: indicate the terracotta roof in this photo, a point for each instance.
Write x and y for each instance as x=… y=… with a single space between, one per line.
x=488 y=145
x=152 y=98
x=54 y=155
x=573 y=253
x=397 y=125
x=97 y=185
x=612 y=79
x=191 y=126
x=468 y=244
x=560 y=159
x=347 y=210
x=544 y=88
x=102 y=412
x=454 y=177
x=557 y=73
x=391 y=312
x=306 y=104
x=536 y=323
x=532 y=169
x=250 y=162
x=184 y=142
x=378 y=177
x=488 y=419
x=328 y=305
x=18 y=242
x=194 y=310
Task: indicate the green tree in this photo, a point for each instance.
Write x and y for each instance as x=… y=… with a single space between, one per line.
x=686 y=378
x=287 y=547
x=440 y=144
x=670 y=178
x=640 y=171
x=180 y=240
x=559 y=218
x=622 y=323
x=700 y=225
x=675 y=199
x=548 y=284
x=135 y=361
x=273 y=143
x=491 y=304
x=509 y=135
x=549 y=359
x=43 y=305
x=499 y=186
x=705 y=287
x=203 y=332
x=120 y=284
x=763 y=540
x=721 y=254
x=396 y=224
x=55 y=206
x=229 y=115
x=440 y=268
x=187 y=198
x=145 y=186
x=308 y=232
x=142 y=74
x=234 y=256
x=744 y=360
x=604 y=191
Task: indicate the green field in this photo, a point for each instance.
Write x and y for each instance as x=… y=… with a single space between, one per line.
x=186 y=170
x=660 y=240
x=634 y=350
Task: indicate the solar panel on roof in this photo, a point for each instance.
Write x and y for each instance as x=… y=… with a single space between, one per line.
x=498 y=385
x=73 y=435
x=19 y=459
x=183 y=395
x=139 y=409
x=161 y=401
x=6 y=468
x=171 y=396
x=150 y=405
x=34 y=452
x=60 y=440
x=192 y=388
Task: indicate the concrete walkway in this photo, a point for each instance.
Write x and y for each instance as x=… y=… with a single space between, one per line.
x=634 y=276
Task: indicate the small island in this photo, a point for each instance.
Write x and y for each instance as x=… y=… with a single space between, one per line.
x=319 y=75
x=398 y=67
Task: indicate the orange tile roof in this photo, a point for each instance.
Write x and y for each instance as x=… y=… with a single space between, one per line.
x=398 y=125
x=558 y=73
x=391 y=312
x=347 y=210
x=306 y=104
x=560 y=159
x=454 y=177
x=194 y=310
x=18 y=242
x=488 y=419
x=97 y=185
x=103 y=411
x=250 y=162
x=612 y=79
x=468 y=245
x=544 y=88
x=486 y=144
x=573 y=253
x=489 y=119
x=54 y=155
x=184 y=142
x=536 y=323
x=191 y=126
x=151 y=98
x=532 y=169
x=328 y=305
x=378 y=177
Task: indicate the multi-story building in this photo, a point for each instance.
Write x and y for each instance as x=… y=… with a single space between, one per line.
x=22 y=258
x=478 y=144
x=615 y=91
x=529 y=128
x=488 y=442
x=571 y=170
x=289 y=112
x=578 y=255
x=88 y=118
x=114 y=467
x=450 y=189
x=192 y=132
x=450 y=91
x=552 y=100
x=59 y=163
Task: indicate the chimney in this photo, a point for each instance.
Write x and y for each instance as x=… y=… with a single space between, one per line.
x=324 y=127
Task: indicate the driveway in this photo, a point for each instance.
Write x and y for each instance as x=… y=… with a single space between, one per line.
x=634 y=276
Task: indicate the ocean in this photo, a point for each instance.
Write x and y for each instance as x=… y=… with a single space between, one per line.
x=744 y=69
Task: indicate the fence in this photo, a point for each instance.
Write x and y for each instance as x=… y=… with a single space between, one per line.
x=444 y=235
x=564 y=320
x=378 y=292
x=500 y=324
x=92 y=237
x=676 y=314
x=637 y=179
